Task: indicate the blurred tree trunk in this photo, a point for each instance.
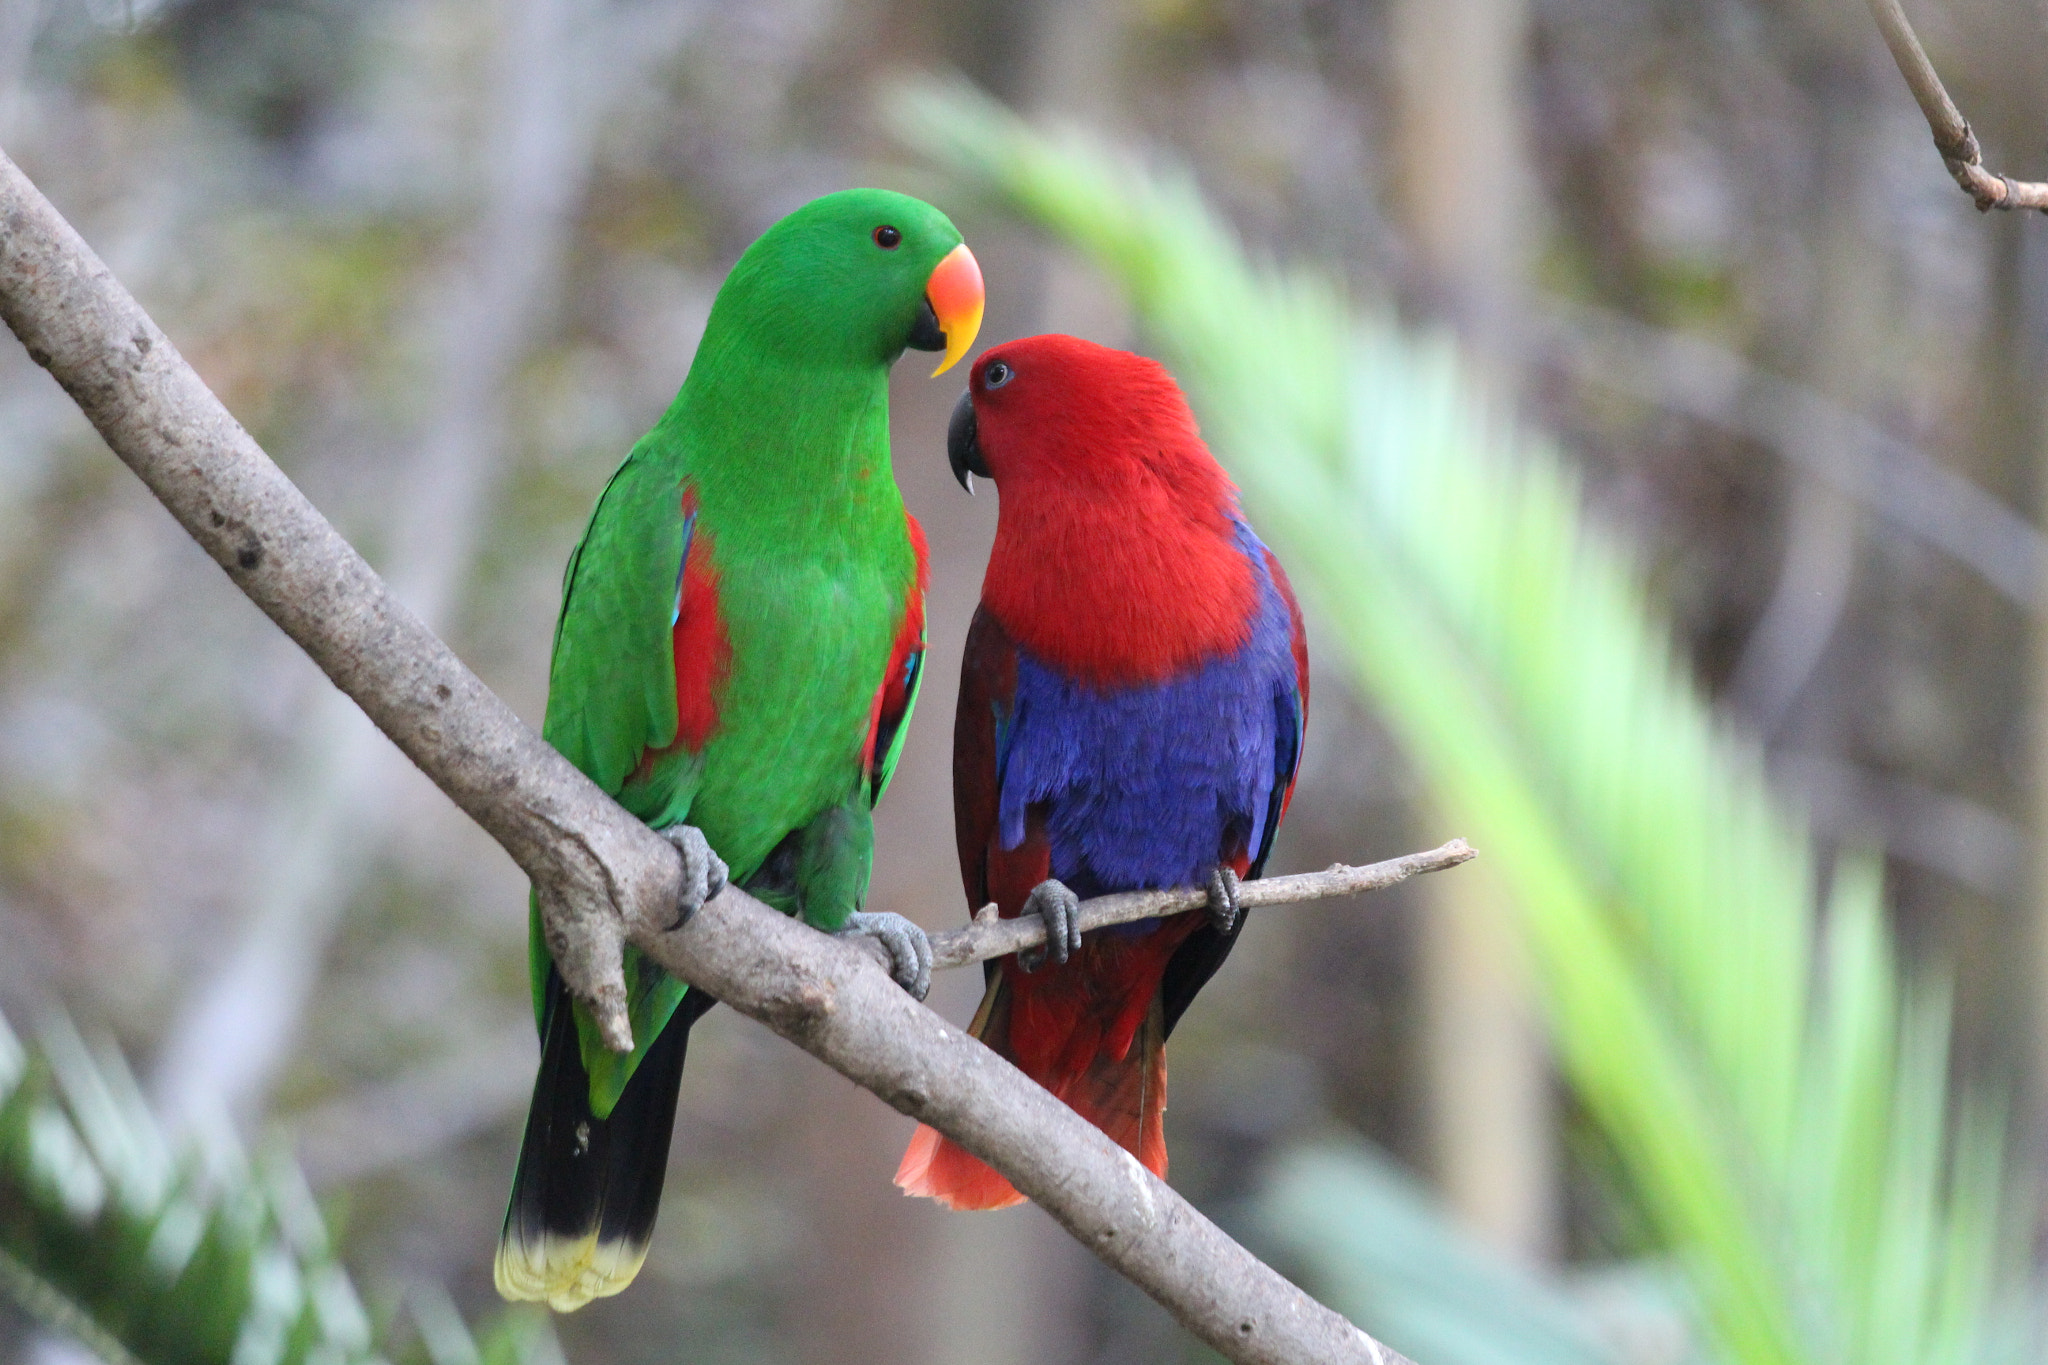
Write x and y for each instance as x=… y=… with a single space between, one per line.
x=556 y=61
x=1490 y=1110
x=238 y=1028
x=1461 y=162
x=1466 y=194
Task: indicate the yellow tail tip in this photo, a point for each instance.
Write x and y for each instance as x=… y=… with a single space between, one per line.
x=565 y=1274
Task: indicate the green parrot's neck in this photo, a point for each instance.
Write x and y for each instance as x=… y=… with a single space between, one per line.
x=783 y=447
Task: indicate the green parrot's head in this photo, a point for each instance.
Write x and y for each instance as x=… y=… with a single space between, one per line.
x=852 y=279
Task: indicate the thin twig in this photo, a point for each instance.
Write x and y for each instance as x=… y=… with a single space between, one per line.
x=1952 y=135
x=605 y=878
x=989 y=936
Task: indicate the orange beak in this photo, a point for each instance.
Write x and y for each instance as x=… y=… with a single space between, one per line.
x=954 y=292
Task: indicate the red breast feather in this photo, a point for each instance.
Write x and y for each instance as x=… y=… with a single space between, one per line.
x=1114 y=559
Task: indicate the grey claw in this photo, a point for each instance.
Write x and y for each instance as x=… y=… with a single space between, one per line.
x=1060 y=908
x=1223 y=906
x=909 y=950
x=704 y=872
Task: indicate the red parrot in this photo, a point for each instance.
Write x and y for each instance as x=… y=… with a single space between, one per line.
x=1131 y=712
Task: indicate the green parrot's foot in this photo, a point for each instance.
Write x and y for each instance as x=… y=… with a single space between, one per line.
x=909 y=950
x=1060 y=908
x=703 y=871
x=1223 y=905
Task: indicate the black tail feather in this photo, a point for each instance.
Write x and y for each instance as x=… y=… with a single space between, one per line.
x=587 y=1189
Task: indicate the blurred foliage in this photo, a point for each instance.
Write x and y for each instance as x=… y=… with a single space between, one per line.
x=1785 y=1122
x=1384 y=1251
x=147 y=1253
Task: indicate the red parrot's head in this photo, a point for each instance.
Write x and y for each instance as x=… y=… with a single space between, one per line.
x=1055 y=411
x=1116 y=554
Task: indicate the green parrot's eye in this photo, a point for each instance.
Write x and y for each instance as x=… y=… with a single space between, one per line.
x=996 y=375
x=887 y=238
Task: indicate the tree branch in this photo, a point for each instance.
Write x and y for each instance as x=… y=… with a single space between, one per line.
x=1952 y=135
x=605 y=877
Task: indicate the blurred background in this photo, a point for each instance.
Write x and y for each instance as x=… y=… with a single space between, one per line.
x=447 y=259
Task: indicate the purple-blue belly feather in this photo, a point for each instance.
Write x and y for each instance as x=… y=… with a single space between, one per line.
x=1150 y=785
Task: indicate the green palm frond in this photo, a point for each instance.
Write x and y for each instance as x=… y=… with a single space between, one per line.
x=151 y=1255
x=1777 y=1099
x=1384 y=1252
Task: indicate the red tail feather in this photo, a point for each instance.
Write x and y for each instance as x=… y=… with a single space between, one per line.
x=1093 y=1033
x=937 y=1168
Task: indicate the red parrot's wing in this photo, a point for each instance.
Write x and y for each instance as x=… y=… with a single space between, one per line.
x=981 y=737
x=1291 y=717
x=1203 y=951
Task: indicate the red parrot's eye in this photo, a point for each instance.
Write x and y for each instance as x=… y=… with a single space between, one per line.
x=887 y=238
x=996 y=375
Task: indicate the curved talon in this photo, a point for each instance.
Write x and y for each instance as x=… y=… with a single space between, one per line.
x=1223 y=904
x=1060 y=908
x=910 y=952
x=704 y=872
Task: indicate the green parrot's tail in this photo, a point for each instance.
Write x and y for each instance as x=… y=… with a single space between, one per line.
x=585 y=1194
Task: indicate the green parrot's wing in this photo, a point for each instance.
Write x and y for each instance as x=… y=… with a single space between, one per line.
x=612 y=685
x=889 y=739
x=905 y=676
x=612 y=699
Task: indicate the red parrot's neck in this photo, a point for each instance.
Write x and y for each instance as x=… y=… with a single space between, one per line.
x=1124 y=585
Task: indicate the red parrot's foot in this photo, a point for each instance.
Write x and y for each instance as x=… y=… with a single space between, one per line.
x=1060 y=908
x=704 y=872
x=1223 y=905
x=910 y=952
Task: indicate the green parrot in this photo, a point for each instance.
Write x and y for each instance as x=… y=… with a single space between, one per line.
x=740 y=645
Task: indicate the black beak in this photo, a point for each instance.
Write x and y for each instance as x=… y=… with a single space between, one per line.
x=963 y=445
x=925 y=333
